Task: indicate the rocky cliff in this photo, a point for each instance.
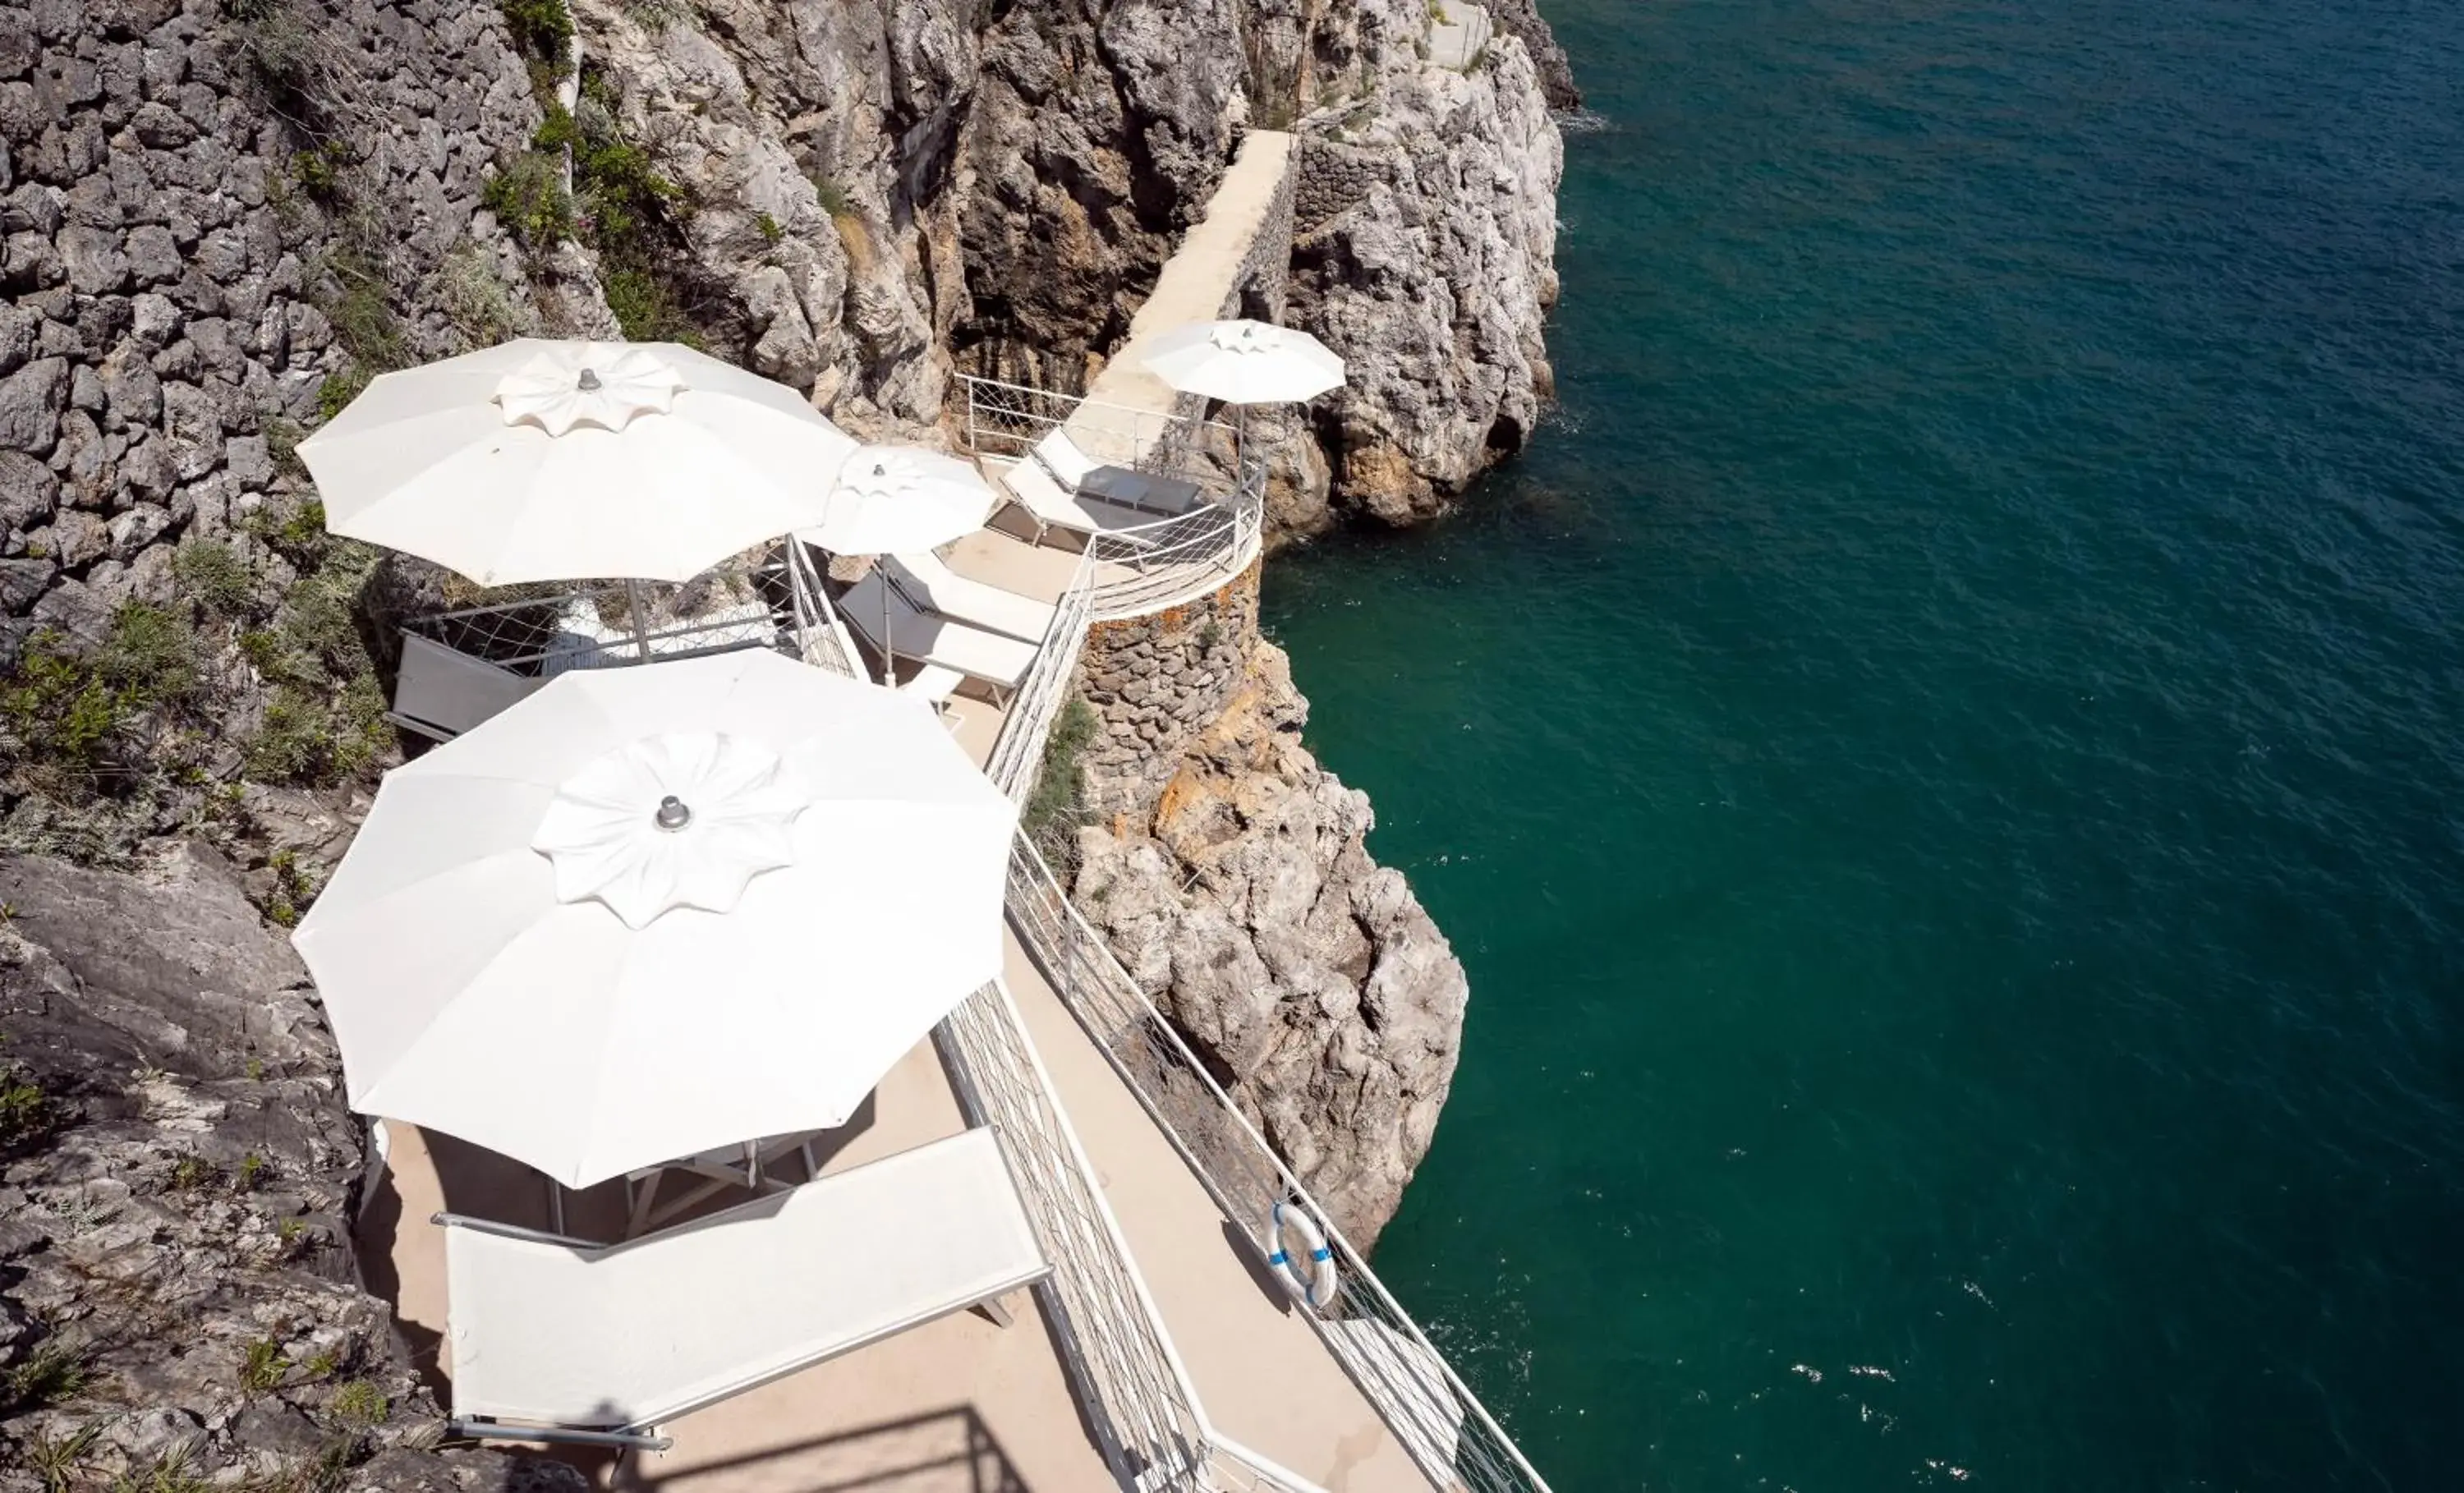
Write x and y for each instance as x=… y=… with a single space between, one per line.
x=180 y=1300
x=220 y=218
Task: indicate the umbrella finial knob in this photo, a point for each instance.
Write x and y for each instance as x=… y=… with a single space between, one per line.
x=588 y=382
x=672 y=814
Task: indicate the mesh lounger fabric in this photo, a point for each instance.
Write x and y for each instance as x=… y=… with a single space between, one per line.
x=1051 y=504
x=999 y=661
x=628 y=1335
x=944 y=590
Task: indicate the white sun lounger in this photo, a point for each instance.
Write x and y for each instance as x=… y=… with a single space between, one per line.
x=440 y=693
x=999 y=661
x=1052 y=506
x=937 y=588
x=556 y=1340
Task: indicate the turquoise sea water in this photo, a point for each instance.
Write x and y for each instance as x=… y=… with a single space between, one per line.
x=1943 y=761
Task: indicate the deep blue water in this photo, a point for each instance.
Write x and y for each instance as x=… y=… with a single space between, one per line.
x=1943 y=760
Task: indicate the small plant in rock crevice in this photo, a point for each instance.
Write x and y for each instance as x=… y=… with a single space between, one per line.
x=1057 y=806
x=54 y=1371
x=263 y=1366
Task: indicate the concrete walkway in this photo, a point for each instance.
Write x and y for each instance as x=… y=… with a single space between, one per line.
x=1196 y=283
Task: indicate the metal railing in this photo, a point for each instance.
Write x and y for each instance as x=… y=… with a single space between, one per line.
x=1017 y=751
x=822 y=635
x=1432 y=1413
x=1121 y=1365
x=550 y=627
x=1007 y=420
x=1183 y=557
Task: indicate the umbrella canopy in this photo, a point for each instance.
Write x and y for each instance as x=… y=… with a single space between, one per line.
x=649 y=912
x=900 y=499
x=553 y=461
x=1244 y=362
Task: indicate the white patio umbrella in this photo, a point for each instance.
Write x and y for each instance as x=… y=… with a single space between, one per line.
x=651 y=911
x=542 y=460
x=897 y=500
x=1244 y=363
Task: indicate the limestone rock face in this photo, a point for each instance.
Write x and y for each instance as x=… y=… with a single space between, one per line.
x=179 y=1201
x=1425 y=228
x=1244 y=903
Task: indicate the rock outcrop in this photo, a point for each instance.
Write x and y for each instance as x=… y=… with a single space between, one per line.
x=1425 y=243
x=1242 y=899
x=179 y=1298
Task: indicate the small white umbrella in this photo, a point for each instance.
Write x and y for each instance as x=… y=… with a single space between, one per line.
x=897 y=500
x=1244 y=363
x=650 y=911
x=565 y=460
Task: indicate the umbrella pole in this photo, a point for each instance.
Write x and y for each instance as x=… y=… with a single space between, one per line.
x=888 y=647
x=641 y=627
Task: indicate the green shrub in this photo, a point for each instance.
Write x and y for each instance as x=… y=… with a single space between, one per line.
x=360 y=1403
x=1057 y=805
x=359 y=304
x=64 y=707
x=282 y=438
x=542 y=30
x=319 y=173
x=623 y=193
x=833 y=197
x=335 y=394
x=193 y=1172
x=53 y=1373
x=215 y=576
x=646 y=309
x=557 y=131
x=263 y=1367
x=479 y=304
x=528 y=197
x=771 y=231
x=27 y=1114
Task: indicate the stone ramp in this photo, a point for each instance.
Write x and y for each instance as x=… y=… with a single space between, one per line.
x=1126 y=408
x=1457 y=31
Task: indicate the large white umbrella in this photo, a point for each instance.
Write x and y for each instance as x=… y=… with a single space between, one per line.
x=1244 y=363
x=651 y=911
x=897 y=500
x=563 y=460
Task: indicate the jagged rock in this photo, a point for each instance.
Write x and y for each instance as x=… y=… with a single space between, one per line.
x=1425 y=242
x=1521 y=20
x=30 y=402
x=1246 y=904
x=186 y=1201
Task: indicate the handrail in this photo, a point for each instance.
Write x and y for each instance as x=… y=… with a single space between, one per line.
x=1210 y=546
x=1120 y=1362
x=1017 y=751
x=1007 y=419
x=1366 y=1330
x=547 y=629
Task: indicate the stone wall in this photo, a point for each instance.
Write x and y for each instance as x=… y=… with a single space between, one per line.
x=1157 y=683
x=170 y=250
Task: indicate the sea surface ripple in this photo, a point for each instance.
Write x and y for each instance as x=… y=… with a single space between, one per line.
x=1946 y=761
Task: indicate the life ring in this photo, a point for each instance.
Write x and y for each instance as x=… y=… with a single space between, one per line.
x=1309 y=1274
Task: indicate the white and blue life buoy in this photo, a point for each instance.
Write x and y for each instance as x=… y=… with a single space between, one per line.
x=1297 y=1248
